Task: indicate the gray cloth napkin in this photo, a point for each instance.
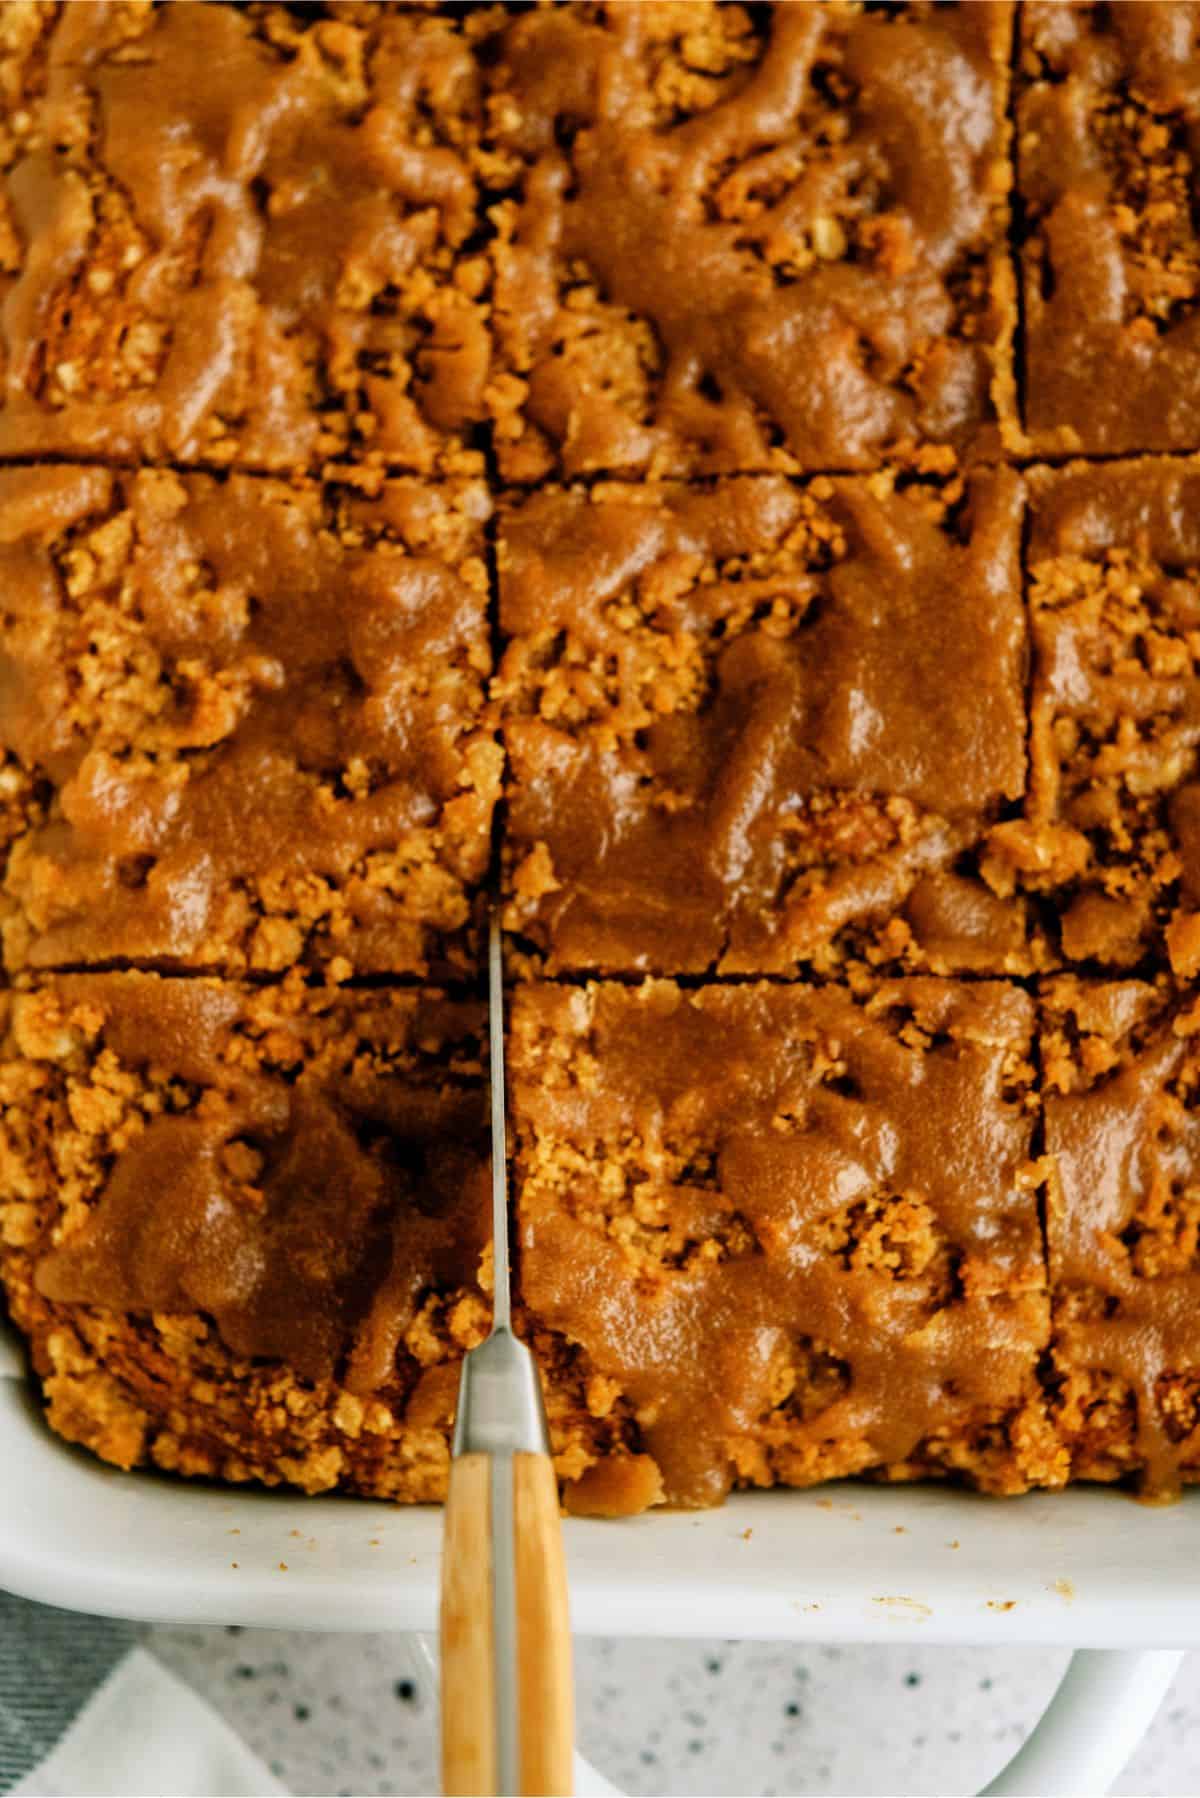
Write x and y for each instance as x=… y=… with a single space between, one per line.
x=51 y=1662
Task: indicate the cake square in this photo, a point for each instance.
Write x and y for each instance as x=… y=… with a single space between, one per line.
x=1107 y=113
x=1111 y=835
x=243 y=1228
x=742 y=239
x=242 y=236
x=245 y=723
x=1122 y=1077
x=797 y=1231
x=763 y=725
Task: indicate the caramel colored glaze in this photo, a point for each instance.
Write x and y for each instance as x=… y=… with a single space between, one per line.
x=233 y=235
x=1111 y=835
x=246 y=1232
x=1108 y=132
x=1123 y=1219
x=866 y=712
x=799 y=1233
x=215 y=1197
x=245 y=724
x=736 y=729
x=747 y=240
x=301 y=1191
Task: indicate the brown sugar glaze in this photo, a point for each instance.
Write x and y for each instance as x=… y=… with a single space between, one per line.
x=1109 y=833
x=733 y=719
x=1123 y=1228
x=878 y=142
x=232 y=222
x=307 y=1218
x=768 y=726
x=180 y=655
x=714 y=1183
x=295 y=1169
x=1108 y=125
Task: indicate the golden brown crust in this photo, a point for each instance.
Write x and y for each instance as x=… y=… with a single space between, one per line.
x=179 y=654
x=243 y=1227
x=1108 y=105
x=237 y=236
x=1110 y=838
x=742 y=239
x=763 y=725
x=1123 y=1229
x=798 y=1233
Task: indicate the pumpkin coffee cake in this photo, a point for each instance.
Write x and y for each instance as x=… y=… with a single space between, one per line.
x=246 y=723
x=724 y=477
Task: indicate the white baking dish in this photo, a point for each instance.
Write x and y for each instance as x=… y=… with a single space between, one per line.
x=855 y=1563
x=847 y=1563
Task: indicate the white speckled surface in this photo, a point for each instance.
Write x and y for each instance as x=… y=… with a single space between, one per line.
x=338 y=1714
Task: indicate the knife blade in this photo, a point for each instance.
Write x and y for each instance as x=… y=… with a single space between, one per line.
x=507 y=1705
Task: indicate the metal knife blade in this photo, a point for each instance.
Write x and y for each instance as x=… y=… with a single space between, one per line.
x=500 y=1409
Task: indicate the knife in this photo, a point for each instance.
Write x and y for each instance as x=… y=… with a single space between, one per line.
x=507 y=1699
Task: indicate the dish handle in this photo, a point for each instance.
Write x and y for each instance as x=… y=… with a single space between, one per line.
x=1104 y=1704
x=1101 y=1709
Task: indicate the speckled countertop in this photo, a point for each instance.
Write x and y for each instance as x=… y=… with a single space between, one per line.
x=354 y=1714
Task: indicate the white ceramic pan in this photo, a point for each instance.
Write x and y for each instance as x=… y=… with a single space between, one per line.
x=1088 y=1568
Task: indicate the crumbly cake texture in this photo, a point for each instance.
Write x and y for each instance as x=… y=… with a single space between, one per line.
x=660 y=237
x=245 y=724
x=1122 y=1139
x=243 y=1228
x=242 y=235
x=742 y=239
x=737 y=739
x=246 y=1230
x=289 y=296
x=1110 y=840
x=1108 y=104
x=797 y=1232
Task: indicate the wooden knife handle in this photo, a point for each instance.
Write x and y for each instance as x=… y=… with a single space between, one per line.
x=468 y=1674
x=545 y=1722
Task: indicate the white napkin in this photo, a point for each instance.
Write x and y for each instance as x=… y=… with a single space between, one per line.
x=144 y=1734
